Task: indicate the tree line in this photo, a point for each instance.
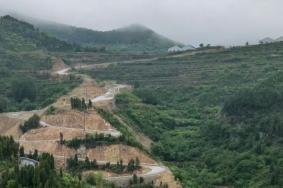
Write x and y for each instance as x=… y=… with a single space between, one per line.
x=76 y=165
x=80 y=104
x=91 y=141
x=31 y=123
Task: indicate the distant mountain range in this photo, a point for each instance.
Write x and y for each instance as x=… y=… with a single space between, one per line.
x=136 y=38
x=271 y=40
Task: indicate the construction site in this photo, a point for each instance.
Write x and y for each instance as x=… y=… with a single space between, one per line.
x=71 y=123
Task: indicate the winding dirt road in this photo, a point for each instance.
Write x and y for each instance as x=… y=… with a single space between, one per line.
x=155 y=170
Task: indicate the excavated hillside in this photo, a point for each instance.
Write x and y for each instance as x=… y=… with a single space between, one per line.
x=76 y=124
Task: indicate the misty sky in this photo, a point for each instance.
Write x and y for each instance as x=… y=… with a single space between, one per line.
x=225 y=22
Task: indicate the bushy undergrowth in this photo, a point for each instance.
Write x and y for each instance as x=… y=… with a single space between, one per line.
x=216 y=118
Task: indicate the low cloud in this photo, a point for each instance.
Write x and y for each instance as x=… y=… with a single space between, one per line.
x=227 y=22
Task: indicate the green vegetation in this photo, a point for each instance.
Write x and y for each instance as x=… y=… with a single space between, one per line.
x=75 y=165
x=92 y=141
x=80 y=104
x=128 y=138
x=8 y=148
x=16 y=35
x=31 y=123
x=133 y=39
x=41 y=176
x=216 y=118
x=24 y=65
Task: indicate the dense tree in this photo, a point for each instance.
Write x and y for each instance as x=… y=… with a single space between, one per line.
x=31 y=123
x=89 y=106
x=216 y=115
x=23 y=88
x=8 y=148
x=61 y=138
x=3 y=104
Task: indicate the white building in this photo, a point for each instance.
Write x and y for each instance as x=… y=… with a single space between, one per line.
x=176 y=48
x=24 y=161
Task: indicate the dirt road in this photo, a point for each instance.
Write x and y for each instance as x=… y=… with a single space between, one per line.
x=112 y=132
x=110 y=94
x=155 y=172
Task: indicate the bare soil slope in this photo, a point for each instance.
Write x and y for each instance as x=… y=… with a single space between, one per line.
x=76 y=119
x=10 y=126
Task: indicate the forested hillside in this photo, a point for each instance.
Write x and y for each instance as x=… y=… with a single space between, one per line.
x=21 y=36
x=216 y=118
x=24 y=64
x=133 y=39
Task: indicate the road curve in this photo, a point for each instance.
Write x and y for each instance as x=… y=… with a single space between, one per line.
x=110 y=94
x=155 y=170
x=63 y=71
x=111 y=132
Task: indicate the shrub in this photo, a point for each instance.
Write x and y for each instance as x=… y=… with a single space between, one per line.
x=31 y=123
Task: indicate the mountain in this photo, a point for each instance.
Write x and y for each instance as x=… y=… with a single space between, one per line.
x=25 y=60
x=17 y=35
x=133 y=38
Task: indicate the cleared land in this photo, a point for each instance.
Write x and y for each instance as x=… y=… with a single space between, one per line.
x=75 y=124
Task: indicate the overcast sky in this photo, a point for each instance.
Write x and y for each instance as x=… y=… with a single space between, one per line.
x=225 y=22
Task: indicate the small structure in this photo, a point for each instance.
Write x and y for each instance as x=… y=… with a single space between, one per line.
x=25 y=161
x=176 y=48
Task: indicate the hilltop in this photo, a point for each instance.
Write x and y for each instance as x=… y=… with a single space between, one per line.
x=132 y=38
x=17 y=35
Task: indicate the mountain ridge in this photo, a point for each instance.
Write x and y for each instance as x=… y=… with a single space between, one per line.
x=19 y=35
x=134 y=37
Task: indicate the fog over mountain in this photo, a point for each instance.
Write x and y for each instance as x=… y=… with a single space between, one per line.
x=226 y=22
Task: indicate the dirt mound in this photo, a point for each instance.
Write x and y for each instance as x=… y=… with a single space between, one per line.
x=10 y=126
x=53 y=148
x=88 y=90
x=58 y=64
x=51 y=133
x=76 y=119
x=114 y=153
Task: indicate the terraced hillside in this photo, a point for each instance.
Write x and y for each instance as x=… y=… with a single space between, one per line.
x=65 y=132
x=214 y=117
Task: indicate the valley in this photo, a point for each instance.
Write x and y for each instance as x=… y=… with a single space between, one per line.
x=81 y=108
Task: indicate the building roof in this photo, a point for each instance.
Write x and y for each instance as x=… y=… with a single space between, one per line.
x=29 y=160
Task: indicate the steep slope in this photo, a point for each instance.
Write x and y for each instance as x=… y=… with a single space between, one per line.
x=21 y=36
x=134 y=38
x=215 y=117
x=25 y=55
